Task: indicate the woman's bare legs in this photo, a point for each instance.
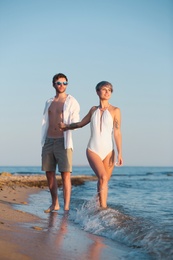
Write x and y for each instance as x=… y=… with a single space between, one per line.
x=52 y=184
x=103 y=170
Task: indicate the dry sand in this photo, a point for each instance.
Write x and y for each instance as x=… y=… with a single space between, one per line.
x=22 y=238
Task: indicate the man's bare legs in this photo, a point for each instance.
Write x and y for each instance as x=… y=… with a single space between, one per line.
x=52 y=184
x=103 y=170
x=66 y=182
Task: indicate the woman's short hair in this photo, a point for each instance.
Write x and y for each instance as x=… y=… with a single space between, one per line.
x=103 y=84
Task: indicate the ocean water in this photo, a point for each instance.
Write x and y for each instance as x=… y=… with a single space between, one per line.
x=139 y=214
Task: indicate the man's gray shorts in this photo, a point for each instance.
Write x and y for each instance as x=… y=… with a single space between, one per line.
x=54 y=153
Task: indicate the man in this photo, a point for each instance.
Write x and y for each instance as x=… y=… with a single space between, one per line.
x=57 y=145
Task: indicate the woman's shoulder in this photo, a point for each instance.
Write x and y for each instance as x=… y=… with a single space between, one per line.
x=114 y=108
x=115 y=111
x=93 y=109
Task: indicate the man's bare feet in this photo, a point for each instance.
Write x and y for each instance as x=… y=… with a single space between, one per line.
x=51 y=208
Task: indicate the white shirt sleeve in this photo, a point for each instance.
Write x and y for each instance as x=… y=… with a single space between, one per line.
x=71 y=115
x=45 y=121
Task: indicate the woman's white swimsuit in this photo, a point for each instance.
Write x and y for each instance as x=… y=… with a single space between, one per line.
x=101 y=139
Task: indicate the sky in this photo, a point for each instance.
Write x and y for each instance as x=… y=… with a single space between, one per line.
x=126 y=42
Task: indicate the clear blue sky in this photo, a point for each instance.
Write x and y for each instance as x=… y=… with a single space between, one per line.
x=127 y=42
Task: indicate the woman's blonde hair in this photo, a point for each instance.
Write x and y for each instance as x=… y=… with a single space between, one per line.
x=102 y=84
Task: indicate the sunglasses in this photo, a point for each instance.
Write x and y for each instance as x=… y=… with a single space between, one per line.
x=61 y=83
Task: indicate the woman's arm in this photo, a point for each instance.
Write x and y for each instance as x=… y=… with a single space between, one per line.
x=80 y=124
x=118 y=135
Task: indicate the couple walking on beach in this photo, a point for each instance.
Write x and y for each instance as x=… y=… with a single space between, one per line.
x=61 y=115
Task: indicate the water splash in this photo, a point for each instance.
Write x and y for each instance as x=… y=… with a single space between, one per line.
x=132 y=231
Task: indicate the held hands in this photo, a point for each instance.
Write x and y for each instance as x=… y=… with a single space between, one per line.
x=62 y=126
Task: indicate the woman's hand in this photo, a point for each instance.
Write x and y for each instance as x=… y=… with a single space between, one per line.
x=119 y=161
x=62 y=126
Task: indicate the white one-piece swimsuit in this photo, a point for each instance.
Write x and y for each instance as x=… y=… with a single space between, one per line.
x=101 y=139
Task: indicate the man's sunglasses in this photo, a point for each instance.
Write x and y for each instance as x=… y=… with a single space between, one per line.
x=61 y=83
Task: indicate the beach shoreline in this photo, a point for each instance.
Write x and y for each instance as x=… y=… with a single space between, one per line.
x=21 y=231
x=11 y=220
x=16 y=190
x=123 y=231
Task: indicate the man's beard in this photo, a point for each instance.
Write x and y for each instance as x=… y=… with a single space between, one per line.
x=59 y=91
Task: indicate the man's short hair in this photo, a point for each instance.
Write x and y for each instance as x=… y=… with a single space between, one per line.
x=58 y=76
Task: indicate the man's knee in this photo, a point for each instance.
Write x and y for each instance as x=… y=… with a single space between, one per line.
x=50 y=173
x=66 y=176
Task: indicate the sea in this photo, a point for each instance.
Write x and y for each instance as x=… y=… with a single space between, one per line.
x=139 y=214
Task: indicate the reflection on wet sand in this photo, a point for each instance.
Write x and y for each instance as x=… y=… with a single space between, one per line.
x=95 y=249
x=65 y=236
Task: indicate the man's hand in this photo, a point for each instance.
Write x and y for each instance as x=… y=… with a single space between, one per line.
x=62 y=126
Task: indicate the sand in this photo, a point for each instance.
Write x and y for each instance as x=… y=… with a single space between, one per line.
x=21 y=236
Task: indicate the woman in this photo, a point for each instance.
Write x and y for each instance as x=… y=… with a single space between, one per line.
x=105 y=124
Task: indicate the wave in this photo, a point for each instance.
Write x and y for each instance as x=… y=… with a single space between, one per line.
x=134 y=232
x=137 y=174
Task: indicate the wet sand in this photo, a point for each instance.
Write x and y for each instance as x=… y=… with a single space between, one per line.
x=22 y=236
